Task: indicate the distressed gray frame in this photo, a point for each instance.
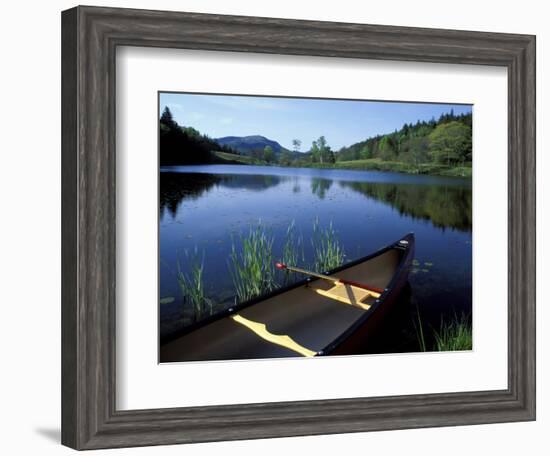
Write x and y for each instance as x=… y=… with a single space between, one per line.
x=90 y=36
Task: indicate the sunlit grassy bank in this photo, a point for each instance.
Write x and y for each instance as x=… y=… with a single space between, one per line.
x=377 y=164
x=227 y=158
x=372 y=164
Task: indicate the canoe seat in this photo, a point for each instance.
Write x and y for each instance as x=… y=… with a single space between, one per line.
x=347 y=294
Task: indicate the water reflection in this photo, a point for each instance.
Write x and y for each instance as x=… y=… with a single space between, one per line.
x=445 y=206
x=320 y=186
x=176 y=187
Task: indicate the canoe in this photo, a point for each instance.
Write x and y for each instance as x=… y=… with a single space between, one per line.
x=313 y=317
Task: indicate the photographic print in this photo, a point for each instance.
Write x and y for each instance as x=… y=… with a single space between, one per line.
x=305 y=227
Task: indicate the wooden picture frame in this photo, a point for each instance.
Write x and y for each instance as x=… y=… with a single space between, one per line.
x=90 y=36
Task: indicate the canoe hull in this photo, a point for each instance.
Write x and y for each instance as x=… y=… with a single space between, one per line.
x=318 y=323
x=360 y=339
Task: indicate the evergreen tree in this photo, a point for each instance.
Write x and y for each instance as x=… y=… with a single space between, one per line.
x=296 y=144
x=167 y=118
x=269 y=156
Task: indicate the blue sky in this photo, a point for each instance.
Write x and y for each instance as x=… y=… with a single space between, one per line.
x=342 y=122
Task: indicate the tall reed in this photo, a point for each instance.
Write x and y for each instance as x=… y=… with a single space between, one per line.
x=293 y=252
x=192 y=287
x=327 y=250
x=419 y=330
x=454 y=335
x=252 y=268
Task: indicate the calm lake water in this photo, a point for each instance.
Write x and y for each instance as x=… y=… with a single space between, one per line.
x=203 y=209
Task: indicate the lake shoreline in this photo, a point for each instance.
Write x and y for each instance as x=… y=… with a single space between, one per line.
x=373 y=164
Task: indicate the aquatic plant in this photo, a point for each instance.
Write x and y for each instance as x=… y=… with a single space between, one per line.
x=293 y=251
x=252 y=268
x=192 y=287
x=327 y=250
x=454 y=335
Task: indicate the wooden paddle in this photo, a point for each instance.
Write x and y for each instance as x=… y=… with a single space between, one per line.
x=334 y=280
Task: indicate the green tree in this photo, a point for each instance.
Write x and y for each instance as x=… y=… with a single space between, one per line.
x=315 y=153
x=418 y=150
x=451 y=143
x=192 y=132
x=285 y=159
x=386 y=149
x=329 y=155
x=167 y=120
x=269 y=155
x=257 y=153
x=366 y=152
x=321 y=151
x=296 y=144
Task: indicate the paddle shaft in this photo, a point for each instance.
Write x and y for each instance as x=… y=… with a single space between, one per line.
x=329 y=278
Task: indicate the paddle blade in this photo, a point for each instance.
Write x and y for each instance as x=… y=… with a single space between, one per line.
x=280 y=265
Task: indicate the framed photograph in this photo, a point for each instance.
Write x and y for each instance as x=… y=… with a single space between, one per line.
x=269 y=224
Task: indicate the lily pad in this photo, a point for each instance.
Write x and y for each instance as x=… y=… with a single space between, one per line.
x=167 y=300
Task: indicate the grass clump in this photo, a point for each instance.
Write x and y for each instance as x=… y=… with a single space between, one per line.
x=455 y=335
x=327 y=250
x=293 y=251
x=193 y=289
x=252 y=268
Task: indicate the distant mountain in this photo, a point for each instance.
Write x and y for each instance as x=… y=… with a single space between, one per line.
x=247 y=144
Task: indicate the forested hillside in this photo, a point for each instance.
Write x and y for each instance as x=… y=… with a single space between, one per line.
x=185 y=145
x=447 y=141
x=253 y=146
x=442 y=146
